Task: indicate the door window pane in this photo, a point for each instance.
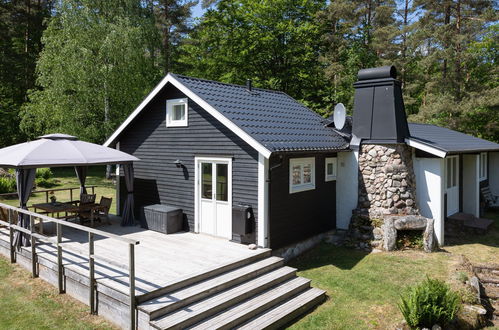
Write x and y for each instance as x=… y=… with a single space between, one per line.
x=222 y=182
x=449 y=173
x=206 y=180
x=454 y=171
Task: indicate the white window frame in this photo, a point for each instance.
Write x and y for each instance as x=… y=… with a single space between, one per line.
x=483 y=166
x=294 y=188
x=169 y=112
x=334 y=161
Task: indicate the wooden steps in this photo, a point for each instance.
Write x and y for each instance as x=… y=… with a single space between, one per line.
x=287 y=312
x=229 y=299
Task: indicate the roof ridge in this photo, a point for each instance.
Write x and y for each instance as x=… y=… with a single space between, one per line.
x=227 y=84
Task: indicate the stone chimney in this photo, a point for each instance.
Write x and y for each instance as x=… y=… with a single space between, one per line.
x=387 y=184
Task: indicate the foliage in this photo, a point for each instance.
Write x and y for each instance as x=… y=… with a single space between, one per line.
x=428 y=303
x=7 y=185
x=274 y=43
x=44 y=173
x=412 y=239
x=21 y=27
x=92 y=71
x=45 y=183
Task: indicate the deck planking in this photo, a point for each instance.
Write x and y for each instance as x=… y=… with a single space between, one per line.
x=160 y=259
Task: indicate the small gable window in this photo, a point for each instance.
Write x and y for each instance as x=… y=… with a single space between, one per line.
x=483 y=166
x=176 y=113
x=331 y=168
x=301 y=174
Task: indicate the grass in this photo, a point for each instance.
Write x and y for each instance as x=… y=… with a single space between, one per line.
x=66 y=178
x=28 y=303
x=364 y=289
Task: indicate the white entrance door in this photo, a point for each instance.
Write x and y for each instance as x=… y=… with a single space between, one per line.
x=214 y=196
x=452 y=184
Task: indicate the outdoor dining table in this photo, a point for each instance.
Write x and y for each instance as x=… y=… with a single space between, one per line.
x=66 y=208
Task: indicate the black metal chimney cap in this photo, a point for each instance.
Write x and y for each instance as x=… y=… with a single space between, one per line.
x=249 y=85
x=388 y=71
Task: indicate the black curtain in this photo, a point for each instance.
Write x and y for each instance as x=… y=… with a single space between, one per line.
x=81 y=174
x=128 y=217
x=25 y=179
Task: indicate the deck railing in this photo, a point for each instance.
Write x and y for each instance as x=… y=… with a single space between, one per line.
x=8 y=218
x=48 y=191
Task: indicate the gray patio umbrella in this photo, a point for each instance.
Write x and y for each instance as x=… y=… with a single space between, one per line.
x=57 y=150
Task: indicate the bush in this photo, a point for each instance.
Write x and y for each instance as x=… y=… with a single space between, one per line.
x=44 y=173
x=429 y=303
x=45 y=183
x=7 y=185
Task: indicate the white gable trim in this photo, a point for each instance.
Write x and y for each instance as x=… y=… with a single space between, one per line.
x=425 y=147
x=202 y=103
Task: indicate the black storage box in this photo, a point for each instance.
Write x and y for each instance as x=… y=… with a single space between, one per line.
x=162 y=218
x=242 y=219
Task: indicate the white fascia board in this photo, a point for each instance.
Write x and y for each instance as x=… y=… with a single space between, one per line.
x=425 y=147
x=263 y=202
x=202 y=103
x=136 y=112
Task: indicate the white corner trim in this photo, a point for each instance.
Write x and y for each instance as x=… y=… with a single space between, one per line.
x=426 y=148
x=263 y=201
x=202 y=103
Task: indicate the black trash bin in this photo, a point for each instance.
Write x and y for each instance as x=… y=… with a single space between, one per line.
x=242 y=219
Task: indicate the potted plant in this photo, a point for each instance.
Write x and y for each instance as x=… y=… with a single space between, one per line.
x=53 y=199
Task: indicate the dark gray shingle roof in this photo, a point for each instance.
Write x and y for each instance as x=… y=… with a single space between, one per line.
x=448 y=140
x=273 y=118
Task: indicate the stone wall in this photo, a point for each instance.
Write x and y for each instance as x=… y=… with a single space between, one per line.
x=387 y=187
x=387 y=184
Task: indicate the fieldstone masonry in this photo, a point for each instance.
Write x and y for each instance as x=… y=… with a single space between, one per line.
x=387 y=198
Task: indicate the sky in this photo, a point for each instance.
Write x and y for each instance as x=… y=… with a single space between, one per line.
x=197 y=11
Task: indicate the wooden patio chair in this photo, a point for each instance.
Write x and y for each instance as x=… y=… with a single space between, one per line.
x=490 y=199
x=96 y=213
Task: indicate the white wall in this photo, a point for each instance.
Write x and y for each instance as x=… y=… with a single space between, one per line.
x=347 y=187
x=471 y=184
x=494 y=172
x=430 y=192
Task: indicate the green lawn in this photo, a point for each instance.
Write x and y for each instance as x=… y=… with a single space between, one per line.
x=66 y=178
x=28 y=303
x=364 y=289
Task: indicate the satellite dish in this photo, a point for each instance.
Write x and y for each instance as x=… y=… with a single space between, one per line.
x=339 y=115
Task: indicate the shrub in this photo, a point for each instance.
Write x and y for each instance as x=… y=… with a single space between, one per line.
x=44 y=173
x=429 y=303
x=7 y=185
x=45 y=183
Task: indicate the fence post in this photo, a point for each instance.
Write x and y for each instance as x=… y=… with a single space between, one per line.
x=91 y=276
x=71 y=194
x=131 y=271
x=33 y=246
x=60 y=271
x=46 y=196
x=11 y=237
x=93 y=190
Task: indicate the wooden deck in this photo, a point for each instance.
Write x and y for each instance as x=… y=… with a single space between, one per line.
x=160 y=260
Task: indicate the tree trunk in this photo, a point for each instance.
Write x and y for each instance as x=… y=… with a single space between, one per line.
x=446 y=43
x=166 y=35
x=458 y=50
x=106 y=123
x=26 y=45
x=404 y=43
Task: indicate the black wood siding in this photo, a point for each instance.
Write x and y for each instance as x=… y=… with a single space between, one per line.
x=158 y=180
x=297 y=216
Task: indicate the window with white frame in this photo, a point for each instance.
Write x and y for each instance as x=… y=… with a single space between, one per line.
x=331 y=168
x=483 y=166
x=301 y=174
x=176 y=113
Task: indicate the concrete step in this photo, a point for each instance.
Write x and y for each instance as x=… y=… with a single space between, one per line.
x=286 y=312
x=250 y=308
x=169 y=302
x=191 y=279
x=488 y=279
x=207 y=307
